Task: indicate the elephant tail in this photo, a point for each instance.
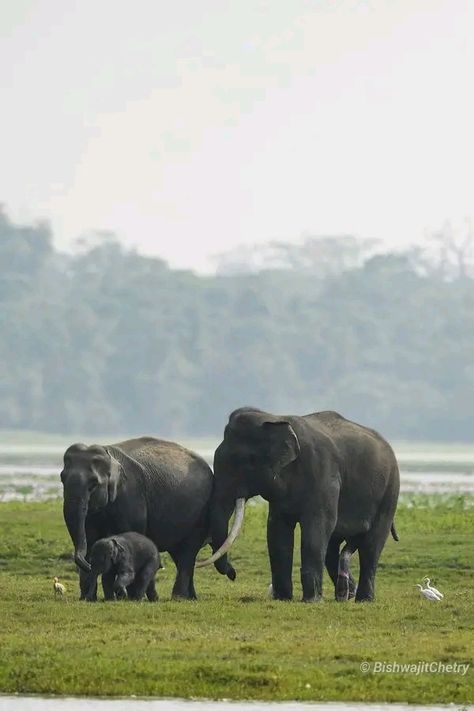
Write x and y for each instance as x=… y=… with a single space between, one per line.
x=393 y=531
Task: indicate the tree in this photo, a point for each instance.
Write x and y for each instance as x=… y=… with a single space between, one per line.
x=109 y=341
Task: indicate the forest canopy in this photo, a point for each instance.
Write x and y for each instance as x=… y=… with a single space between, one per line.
x=107 y=340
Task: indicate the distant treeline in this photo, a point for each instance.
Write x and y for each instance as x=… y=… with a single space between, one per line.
x=111 y=341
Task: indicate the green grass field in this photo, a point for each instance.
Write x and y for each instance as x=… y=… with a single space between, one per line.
x=234 y=642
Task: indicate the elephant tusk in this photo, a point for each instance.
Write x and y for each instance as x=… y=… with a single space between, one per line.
x=234 y=532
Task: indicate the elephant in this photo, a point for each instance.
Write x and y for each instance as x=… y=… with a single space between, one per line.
x=146 y=485
x=338 y=479
x=128 y=563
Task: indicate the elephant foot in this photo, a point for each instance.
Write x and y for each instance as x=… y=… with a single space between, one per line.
x=364 y=597
x=180 y=598
x=342 y=587
x=352 y=591
x=316 y=598
x=283 y=596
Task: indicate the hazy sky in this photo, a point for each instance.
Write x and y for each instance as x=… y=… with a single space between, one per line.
x=189 y=127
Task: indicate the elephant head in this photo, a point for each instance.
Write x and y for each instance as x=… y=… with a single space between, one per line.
x=250 y=460
x=90 y=480
x=104 y=554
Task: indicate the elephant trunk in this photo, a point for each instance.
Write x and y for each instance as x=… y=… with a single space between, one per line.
x=221 y=541
x=75 y=511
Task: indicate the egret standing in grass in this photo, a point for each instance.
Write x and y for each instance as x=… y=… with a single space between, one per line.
x=59 y=588
x=427 y=593
x=429 y=587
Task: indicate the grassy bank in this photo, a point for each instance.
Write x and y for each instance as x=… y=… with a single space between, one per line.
x=234 y=642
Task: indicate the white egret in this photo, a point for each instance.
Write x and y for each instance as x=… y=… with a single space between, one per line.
x=59 y=588
x=428 y=594
x=430 y=587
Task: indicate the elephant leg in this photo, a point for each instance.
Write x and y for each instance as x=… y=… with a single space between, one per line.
x=123 y=580
x=151 y=593
x=343 y=590
x=352 y=586
x=315 y=537
x=142 y=580
x=368 y=565
x=370 y=548
x=85 y=582
x=183 y=585
x=192 y=590
x=91 y=595
x=132 y=591
x=280 y=541
x=332 y=566
x=332 y=558
x=108 y=580
x=85 y=579
x=184 y=557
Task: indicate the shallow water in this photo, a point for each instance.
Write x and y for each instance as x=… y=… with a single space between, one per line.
x=30 y=472
x=30 y=703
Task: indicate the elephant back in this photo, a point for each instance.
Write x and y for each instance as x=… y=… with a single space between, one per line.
x=177 y=485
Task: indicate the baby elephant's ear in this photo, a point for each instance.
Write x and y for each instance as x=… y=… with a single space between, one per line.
x=117 y=549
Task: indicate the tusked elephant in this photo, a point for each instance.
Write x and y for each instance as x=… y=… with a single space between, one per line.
x=147 y=485
x=337 y=479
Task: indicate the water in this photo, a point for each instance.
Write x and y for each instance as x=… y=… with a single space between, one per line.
x=33 y=703
x=30 y=472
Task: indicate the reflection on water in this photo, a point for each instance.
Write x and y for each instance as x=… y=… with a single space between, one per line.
x=30 y=703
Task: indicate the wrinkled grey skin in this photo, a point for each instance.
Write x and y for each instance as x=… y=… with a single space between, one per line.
x=337 y=479
x=150 y=486
x=128 y=563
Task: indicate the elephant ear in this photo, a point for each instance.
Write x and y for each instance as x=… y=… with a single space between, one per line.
x=117 y=549
x=114 y=476
x=109 y=467
x=284 y=444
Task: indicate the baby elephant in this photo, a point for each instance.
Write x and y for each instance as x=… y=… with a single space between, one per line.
x=128 y=563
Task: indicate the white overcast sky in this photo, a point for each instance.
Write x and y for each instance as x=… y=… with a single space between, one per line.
x=191 y=126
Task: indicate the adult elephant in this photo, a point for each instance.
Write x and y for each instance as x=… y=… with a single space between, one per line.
x=147 y=485
x=337 y=479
